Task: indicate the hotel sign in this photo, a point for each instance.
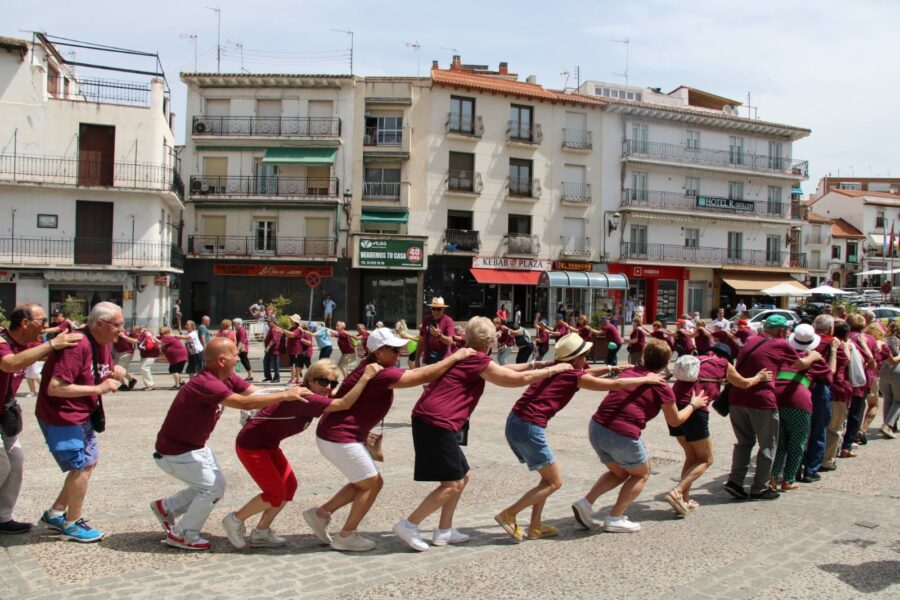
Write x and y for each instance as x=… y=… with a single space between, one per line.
x=516 y=264
x=725 y=203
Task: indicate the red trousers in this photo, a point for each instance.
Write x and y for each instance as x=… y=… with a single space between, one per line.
x=272 y=473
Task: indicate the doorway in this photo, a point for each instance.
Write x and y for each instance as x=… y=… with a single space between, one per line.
x=93 y=232
x=96 y=152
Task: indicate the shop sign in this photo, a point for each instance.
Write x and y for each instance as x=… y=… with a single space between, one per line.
x=650 y=272
x=725 y=203
x=518 y=264
x=559 y=265
x=403 y=254
x=7 y=276
x=162 y=280
x=271 y=270
x=86 y=276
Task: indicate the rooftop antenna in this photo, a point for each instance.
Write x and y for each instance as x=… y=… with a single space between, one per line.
x=453 y=50
x=240 y=47
x=193 y=38
x=752 y=112
x=218 y=12
x=418 y=48
x=577 y=77
x=565 y=73
x=627 y=43
x=350 y=33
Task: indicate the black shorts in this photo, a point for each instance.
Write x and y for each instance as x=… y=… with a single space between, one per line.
x=177 y=367
x=195 y=363
x=325 y=352
x=695 y=429
x=299 y=360
x=438 y=455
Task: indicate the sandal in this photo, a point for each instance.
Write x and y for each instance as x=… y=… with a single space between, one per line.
x=675 y=501
x=508 y=523
x=544 y=532
x=786 y=486
x=693 y=504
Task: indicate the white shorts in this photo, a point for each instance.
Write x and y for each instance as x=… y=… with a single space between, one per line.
x=33 y=371
x=353 y=460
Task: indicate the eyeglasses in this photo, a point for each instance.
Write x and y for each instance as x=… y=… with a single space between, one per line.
x=118 y=325
x=325 y=382
x=42 y=320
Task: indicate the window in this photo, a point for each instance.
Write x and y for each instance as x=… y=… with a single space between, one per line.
x=692 y=140
x=462 y=115
x=461 y=234
x=461 y=177
x=879 y=220
x=735 y=150
x=519 y=177
x=574 y=186
x=735 y=245
x=852 y=254
x=836 y=252
x=640 y=138
x=638 y=243
x=383 y=131
x=850 y=185
x=691 y=237
x=264 y=235
x=691 y=186
x=520 y=122
x=735 y=190
x=774 y=205
x=776 y=160
x=382 y=183
x=815 y=258
x=639 y=186
x=773 y=249
x=460 y=219
x=574 y=241
x=519 y=224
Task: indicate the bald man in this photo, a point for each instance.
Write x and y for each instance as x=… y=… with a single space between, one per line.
x=181 y=449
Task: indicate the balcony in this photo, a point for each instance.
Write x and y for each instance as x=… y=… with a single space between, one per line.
x=520 y=132
x=463 y=240
x=234 y=246
x=577 y=139
x=524 y=188
x=314 y=127
x=464 y=125
x=383 y=137
x=104 y=91
x=464 y=182
x=55 y=170
x=575 y=246
x=725 y=159
x=90 y=252
x=650 y=199
x=522 y=243
x=575 y=193
x=381 y=190
x=712 y=256
x=275 y=186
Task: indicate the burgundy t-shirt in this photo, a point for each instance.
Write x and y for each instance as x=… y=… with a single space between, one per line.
x=242 y=339
x=743 y=333
x=662 y=334
x=824 y=348
x=505 y=339
x=776 y=355
x=445 y=326
x=793 y=394
x=448 y=401
x=611 y=333
x=585 y=333
x=711 y=367
x=687 y=342
x=344 y=343
x=123 y=346
x=74 y=366
x=173 y=349
x=274 y=423
x=353 y=425
x=295 y=341
x=843 y=391
x=562 y=329
x=627 y=412
x=638 y=340
x=273 y=336
x=703 y=341
x=543 y=399
x=310 y=347
x=195 y=411
x=145 y=337
x=9 y=382
x=723 y=337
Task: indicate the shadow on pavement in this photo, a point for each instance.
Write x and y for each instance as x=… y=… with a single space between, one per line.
x=868 y=577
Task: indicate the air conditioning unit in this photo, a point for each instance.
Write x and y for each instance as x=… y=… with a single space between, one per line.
x=201 y=127
x=204 y=188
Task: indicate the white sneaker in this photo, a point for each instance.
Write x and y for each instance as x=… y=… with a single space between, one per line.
x=582 y=511
x=442 y=537
x=352 y=543
x=187 y=541
x=409 y=533
x=318 y=524
x=234 y=529
x=888 y=431
x=266 y=538
x=621 y=525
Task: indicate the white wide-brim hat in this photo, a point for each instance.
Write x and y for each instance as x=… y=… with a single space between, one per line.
x=571 y=346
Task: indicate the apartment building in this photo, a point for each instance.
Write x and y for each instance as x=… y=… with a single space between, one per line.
x=817 y=242
x=270 y=160
x=890 y=185
x=88 y=182
x=702 y=205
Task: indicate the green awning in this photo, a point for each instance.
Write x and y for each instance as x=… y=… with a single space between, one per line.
x=380 y=216
x=300 y=156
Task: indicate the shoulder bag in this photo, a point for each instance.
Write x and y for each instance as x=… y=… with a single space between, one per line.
x=721 y=403
x=98 y=416
x=11 y=421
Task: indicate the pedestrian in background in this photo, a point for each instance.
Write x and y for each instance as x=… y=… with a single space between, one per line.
x=242 y=341
x=370 y=314
x=148 y=347
x=272 y=353
x=435 y=335
x=328 y=305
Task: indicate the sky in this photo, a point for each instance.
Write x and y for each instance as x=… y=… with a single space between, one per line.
x=826 y=65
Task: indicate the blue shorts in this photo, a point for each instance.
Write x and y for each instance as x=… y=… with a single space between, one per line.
x=529 y=443
x=611 y=447
x=73 y=446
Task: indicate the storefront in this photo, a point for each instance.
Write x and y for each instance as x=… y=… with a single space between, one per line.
x=748 y=286
x=507 y=282
x=388 y=271
x=565 y=293
x=662 y=289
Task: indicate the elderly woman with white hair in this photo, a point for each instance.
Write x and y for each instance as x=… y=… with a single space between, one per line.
x=441 y=412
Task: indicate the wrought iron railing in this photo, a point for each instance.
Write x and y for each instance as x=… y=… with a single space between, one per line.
x=462 y=239
x=381 y=190
x=228 y=245
x=522 y=131
x=638 y=198
x=524 y=187
x=704 y=255
x=105 y=91
x=267 y=126
x=734 y=158
x=89 y=251
x=578 y=139
x=464 y=181
x=276 y=185
x=522 y=243
x=57 y=170
x=464 y=124
x=575 y=246
x=382 y=137
x=576 y=192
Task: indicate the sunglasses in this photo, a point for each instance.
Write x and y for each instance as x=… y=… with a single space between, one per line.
x=325 y=382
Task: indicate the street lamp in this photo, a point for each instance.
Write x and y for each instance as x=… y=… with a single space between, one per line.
x=612 y=223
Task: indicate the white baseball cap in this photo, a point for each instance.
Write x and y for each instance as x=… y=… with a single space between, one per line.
x=384 y=337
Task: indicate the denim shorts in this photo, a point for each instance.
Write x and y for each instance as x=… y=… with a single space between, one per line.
x=611 y=447
x=529 y=443
x=74 y=447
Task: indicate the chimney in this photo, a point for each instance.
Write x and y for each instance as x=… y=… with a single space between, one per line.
x=457 y=62
x=434 y=64
x=504 y=68
x=531 y=79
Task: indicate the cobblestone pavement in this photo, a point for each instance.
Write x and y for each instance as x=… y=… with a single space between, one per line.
x=839 y=538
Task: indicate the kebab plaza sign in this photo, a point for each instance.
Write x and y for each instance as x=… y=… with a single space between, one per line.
x=393 y=253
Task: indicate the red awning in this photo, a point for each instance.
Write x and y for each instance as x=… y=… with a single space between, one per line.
x=510 y=277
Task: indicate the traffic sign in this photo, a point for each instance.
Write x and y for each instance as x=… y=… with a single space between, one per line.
x=313 y=279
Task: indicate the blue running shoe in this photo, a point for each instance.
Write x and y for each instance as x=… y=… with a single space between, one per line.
x=79 y=531
x=54 y=523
